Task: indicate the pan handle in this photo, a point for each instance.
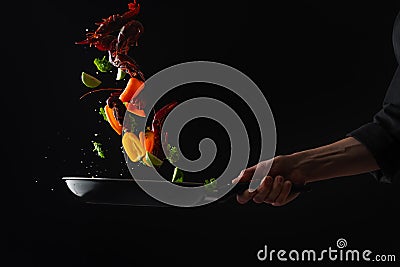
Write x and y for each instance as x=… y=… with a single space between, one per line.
x=240 y=187
x=296 y=188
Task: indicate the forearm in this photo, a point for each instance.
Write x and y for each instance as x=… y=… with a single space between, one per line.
x=342 y=158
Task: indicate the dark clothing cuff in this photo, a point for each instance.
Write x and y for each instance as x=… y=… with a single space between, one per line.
x=382 y=147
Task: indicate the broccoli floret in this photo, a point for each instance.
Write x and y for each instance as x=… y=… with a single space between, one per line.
x=103 y=64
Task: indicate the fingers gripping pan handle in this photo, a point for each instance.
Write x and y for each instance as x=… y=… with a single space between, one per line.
x=243 y=186
x=296 y=188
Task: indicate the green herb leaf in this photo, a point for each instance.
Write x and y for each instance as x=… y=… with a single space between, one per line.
x=132 y=122
x=210 y=184
x=173 y=154
x=103 y=113
x=103 y=64
x=98 y=148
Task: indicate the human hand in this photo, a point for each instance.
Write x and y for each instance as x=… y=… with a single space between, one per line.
x=276 y=177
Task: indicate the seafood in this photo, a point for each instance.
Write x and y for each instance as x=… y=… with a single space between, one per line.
x=129 y=30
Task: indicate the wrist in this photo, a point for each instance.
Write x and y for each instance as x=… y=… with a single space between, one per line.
x=302 y=166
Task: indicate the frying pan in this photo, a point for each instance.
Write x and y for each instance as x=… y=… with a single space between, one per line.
x=114 y=191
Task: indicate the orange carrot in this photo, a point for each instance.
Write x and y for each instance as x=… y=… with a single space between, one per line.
x=149 y=141
x=111 y=119
x=145 y=159
x=132 y=89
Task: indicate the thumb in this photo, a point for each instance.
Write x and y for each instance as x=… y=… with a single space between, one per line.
x=256 y=172
x=245 y=175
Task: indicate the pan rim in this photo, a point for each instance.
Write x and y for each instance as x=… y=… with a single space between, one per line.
x=109 y=179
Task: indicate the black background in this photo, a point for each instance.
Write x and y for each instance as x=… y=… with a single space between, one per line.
x=323 y=66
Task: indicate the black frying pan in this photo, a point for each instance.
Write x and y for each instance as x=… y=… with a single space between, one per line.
x=115 y=191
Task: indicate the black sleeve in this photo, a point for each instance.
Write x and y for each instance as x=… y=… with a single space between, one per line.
x=382 y=135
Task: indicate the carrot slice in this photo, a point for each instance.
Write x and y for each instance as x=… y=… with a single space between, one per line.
x=142 y=142
x=133 y=109
x=111 y=119
x=149 y=141
x=132 y=89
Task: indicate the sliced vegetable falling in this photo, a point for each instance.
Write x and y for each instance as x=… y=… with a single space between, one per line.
x=132 y=89
x=151 y=160
x=177 y=177
x=120 y=74
x=117 y=35
x=89 y=80
x=112 y=120
x=133 y=147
